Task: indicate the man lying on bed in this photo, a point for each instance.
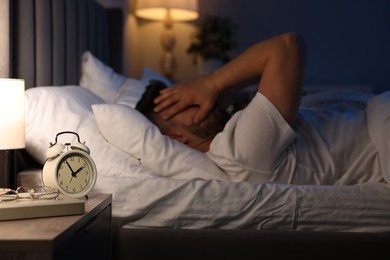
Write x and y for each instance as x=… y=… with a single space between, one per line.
x=271 y=139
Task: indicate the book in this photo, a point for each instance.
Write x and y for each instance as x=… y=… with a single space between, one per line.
x=34 y=208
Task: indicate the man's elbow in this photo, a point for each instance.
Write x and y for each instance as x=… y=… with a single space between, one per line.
x=294 y=41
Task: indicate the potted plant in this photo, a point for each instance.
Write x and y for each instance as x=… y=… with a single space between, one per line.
x=213 y=40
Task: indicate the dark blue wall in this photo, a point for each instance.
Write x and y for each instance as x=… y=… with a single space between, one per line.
x=348 y=40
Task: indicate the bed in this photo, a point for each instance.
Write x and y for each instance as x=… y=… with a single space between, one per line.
x=168 y=200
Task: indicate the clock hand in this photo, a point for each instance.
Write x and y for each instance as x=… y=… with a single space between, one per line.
x=76 y=172
x=69 y=167
x=73 y=173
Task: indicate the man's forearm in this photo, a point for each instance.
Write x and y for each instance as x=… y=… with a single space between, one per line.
x=249 y=65
x=278 y=61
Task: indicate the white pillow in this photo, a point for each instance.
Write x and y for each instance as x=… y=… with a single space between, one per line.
x=100 y=78
x=57 y=109
x=113 y=87
x=50 y=110
x=134 y=134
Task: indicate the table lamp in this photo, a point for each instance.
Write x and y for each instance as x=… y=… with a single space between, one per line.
x=11 y=123
x=168 y=11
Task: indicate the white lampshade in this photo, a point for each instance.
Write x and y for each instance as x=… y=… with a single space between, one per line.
x=179 y=10
x=11 y=114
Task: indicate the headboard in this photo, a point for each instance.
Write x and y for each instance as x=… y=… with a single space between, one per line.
x=41 y=41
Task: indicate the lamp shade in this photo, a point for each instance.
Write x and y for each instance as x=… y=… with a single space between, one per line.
x=179 y=10
x=11 y=114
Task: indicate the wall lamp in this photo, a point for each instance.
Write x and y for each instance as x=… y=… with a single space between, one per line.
x=168 y=11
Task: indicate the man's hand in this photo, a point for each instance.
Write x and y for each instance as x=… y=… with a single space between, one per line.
x=200 y=92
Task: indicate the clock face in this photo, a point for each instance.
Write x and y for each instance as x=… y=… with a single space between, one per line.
x=75 y=174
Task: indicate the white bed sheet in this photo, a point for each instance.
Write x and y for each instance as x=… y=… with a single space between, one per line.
x=195 y=204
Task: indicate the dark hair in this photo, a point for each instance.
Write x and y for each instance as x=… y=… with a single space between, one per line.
x=146 y=104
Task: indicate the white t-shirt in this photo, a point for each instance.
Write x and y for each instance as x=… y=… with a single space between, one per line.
x=326 y=145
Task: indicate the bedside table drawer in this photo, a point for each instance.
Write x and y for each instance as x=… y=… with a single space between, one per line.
x=93 y=241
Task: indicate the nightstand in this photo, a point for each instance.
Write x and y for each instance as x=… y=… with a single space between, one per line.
x=86 y=236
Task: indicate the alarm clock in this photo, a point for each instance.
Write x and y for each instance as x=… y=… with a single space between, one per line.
x=69 y=168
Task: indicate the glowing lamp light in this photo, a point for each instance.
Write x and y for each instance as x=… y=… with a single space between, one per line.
x=168 y=11
x=11 y=114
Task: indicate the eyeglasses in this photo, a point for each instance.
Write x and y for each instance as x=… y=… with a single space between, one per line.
x=39 y=192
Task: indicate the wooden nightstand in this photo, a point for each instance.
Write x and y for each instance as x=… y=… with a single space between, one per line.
x=86 y=236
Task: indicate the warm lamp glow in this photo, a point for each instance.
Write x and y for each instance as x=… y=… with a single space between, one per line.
x=179 y=10
x=11 y=114
x=168 y=11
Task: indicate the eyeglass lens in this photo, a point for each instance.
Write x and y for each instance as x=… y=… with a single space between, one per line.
x=40 y=192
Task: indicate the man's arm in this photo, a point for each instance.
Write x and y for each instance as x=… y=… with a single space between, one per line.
x=278 y=61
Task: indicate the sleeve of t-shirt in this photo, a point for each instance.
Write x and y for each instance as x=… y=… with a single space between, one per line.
x=255 y=138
